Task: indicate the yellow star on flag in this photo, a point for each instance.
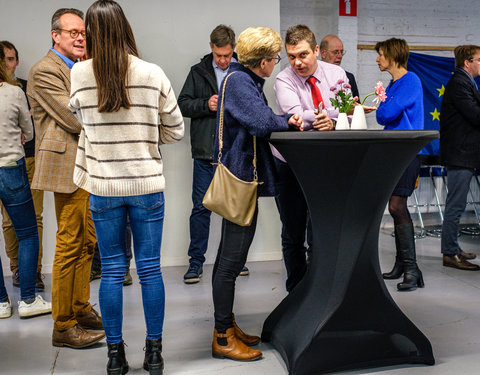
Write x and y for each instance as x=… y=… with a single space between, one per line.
x=435 y=115
x=441 y=91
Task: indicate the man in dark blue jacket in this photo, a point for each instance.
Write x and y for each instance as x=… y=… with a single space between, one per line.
x=460 y=149
x=198 y=101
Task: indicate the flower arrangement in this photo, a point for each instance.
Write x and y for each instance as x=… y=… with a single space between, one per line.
x=379 y=92
x=343 y=96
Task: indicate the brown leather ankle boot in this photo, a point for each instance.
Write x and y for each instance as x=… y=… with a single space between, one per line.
x=227 y=345
x=244 y=337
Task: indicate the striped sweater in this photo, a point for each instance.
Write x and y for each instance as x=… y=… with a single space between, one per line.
x=118 y=153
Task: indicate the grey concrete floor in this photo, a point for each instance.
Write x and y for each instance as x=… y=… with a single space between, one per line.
x=447 y=311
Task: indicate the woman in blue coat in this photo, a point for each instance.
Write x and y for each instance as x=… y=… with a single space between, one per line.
x=246 y=114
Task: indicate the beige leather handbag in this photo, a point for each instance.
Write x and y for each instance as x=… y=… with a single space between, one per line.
x=227 y=195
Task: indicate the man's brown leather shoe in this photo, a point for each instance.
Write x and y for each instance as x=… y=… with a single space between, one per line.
x=90 y=320
x=468 y=256
x=76 y=337
x=227 y=345
x=459 y=261
x=16 y=279
x=39 y=284
x=245 y=338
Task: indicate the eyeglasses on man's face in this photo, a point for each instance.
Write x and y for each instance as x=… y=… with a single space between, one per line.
x=472 y=60
x=341 y=52
x=277 y=59
x=74 y=33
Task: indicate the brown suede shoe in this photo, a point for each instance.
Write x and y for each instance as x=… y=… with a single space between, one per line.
x=16 y=279
x=227 y=345
x=459 y=261
x=245 y=338
x=90 y=320
x=76 y=337
x=468 y=256
x=39 y=285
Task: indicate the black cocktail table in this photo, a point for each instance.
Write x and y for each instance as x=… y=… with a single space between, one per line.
x=341 y=316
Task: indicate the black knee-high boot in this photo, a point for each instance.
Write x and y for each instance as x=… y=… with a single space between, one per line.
x=117 y=363
x=412 y=276
x=397 y=270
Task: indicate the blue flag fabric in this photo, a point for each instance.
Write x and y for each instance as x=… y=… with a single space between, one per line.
x=434 y=72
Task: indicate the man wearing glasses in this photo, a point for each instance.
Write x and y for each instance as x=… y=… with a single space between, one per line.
x=303 y=88
x=459 y=149
x=57 y=131
x=331 y=50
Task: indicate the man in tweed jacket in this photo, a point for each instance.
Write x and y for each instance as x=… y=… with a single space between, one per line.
x=57 y=132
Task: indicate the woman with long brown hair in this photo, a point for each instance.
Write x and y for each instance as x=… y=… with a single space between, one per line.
x=128 y=109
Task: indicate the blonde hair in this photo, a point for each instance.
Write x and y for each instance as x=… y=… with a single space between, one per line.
x=257 y=43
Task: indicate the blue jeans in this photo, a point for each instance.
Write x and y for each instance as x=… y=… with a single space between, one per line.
x=293 y=211
x=146 y=220
x=200 y=217
x=17 y=199
x=458 y=184
x=97 y=263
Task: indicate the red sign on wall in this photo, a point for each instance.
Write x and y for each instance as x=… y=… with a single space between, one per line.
x=348 y=8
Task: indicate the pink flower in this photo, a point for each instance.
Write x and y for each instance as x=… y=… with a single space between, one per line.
x=379 y=92
x=343 y=96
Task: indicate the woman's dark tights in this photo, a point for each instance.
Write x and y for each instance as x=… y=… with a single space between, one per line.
x=397 y=206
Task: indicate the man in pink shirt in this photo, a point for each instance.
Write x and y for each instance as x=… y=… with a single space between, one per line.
x=294 y=92
x=293 y=89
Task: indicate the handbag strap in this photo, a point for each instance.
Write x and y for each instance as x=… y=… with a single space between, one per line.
x=220 y=133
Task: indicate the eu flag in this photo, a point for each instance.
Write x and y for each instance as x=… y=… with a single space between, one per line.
x=434 y=72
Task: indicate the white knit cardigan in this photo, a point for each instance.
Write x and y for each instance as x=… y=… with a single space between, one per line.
x=118 y=152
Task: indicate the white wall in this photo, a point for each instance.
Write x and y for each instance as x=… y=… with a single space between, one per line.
x=174 y=35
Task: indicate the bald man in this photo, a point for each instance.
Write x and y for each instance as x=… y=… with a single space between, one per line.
x=331 y=51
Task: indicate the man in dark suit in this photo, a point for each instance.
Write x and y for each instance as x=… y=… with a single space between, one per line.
x=331 y=50
x=11 y=242
x=460 y=149
x=57 y=131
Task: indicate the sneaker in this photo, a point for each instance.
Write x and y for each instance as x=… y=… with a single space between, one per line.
x=244 y=271
x=95 y=274
x=5 y=309
x=193 y=274
x=128 y=279
x=37 y=307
